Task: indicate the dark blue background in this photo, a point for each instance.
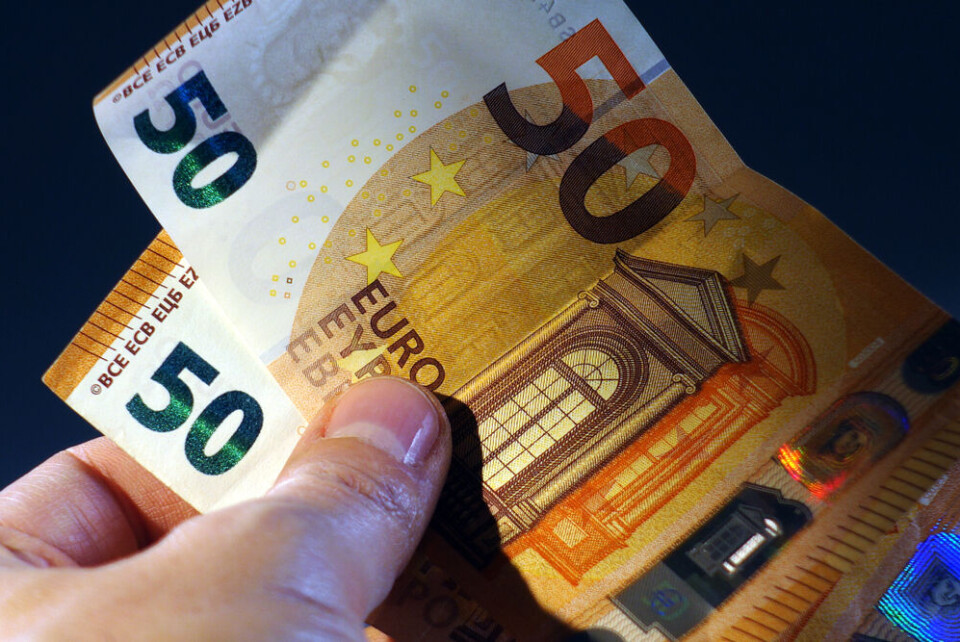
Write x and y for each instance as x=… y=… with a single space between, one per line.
x=851 y=105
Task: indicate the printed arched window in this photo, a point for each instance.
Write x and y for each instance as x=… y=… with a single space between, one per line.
x=585 y=379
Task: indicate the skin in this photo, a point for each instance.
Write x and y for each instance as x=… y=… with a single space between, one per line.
x=93 y=547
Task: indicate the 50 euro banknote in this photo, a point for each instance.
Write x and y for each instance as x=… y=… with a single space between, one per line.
x=673 y=384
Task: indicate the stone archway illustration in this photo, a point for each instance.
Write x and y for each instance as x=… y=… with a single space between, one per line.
x=545 y=417
x=597 y=519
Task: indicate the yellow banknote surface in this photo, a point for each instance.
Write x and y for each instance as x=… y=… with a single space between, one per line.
x=684 y=403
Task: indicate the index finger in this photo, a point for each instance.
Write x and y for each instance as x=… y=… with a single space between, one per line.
x=92 y=502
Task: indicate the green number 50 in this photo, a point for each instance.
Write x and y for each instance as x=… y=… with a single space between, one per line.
x=181 y=407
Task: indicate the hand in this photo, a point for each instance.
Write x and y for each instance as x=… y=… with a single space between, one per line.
x=94 y=547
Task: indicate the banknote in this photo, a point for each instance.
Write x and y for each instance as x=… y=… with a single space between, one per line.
x=909 y=588
x=675 y=386
x=160 y=370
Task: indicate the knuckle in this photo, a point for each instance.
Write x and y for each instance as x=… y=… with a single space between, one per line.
x=20 y=550
x=290 y=522
x=377 y=490
x=302 y=610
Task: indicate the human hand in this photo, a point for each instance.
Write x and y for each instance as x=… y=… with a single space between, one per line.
x=94 y=547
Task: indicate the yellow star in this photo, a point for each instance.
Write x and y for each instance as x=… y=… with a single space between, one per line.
x=378 y=258
x=441 y=178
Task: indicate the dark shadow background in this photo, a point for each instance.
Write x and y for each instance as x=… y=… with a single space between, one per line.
x=851 y=105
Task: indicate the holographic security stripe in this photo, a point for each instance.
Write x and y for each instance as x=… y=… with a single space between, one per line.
x=924 y=600
x=803 y=586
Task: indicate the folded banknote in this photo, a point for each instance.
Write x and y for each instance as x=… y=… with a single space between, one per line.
x=684 y=403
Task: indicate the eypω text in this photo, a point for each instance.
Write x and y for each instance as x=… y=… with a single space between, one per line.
x=368 y=322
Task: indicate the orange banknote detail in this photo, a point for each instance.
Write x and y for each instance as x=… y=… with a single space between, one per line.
x=611 y=400
x=684 y=404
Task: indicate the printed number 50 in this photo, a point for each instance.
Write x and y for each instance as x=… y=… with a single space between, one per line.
x=605 y=152
x=171 y=141
x=181 y=407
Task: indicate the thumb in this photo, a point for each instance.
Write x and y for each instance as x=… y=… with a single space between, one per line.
x=323 y=548
x=372 y=464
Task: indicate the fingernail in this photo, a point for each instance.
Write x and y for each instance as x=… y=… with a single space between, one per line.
x=390 y=414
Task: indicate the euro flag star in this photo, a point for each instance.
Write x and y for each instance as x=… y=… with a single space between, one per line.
x=757 y=277
x=377 y=258
x=713 y=212
x=441 y=178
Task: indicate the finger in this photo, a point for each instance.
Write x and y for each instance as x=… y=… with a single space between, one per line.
x=153 y=507
x=375 y=475
x=342 y=520
x=92 y=503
